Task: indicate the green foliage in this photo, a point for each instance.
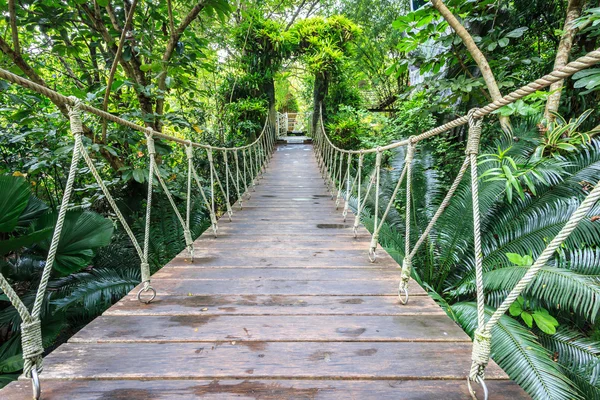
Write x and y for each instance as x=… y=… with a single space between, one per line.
x=521 y=355
x=566 y=292
x=83 y=232
x=563 y=136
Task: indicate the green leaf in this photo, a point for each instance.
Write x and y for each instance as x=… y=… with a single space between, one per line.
x=527 y=318
x=503 y=42
x=13 y=201
x=517 y=33
x=545 y=321
x=11 y=364
x=139 y=175
x=102 y=3
x=18 y=242
x=515 y=309
x=82 y=233
x=515 y=258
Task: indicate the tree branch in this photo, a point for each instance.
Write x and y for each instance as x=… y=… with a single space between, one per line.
x=175 y=36
x=482 y=63
x=13 y=26
x=115 y=63
x=562 y=56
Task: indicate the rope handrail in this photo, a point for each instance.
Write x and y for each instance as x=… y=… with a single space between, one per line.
x=70 y=101
x=330 y=159
x=253 y=167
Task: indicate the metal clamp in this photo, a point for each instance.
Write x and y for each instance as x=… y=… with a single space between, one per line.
x=472 y=392
x=404 y=290
x=35 y=383
x=372 y=254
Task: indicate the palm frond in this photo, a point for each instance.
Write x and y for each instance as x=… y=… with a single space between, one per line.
x=519 y=353
x=558 y=288
x=93 y=291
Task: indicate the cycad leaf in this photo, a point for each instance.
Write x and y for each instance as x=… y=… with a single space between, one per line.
x=82 y=233
x=558 y=288
x=14 y=199
x=519 y=353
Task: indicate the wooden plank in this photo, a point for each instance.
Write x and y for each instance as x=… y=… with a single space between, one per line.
x=279 y=274
x=238 y=360
x=275 y=245
x=275 y=305
x=260 y=390
x=307 y=288
x=256 y=261
x=257 y=330
x=283 y=304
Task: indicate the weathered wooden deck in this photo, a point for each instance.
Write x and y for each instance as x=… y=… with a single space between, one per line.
x=284 y=304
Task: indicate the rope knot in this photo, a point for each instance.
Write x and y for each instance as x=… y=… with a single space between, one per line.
x=410 y=151
x=474 y=132
x=374 y=240
x=482 y=341
x=145 y=268
x=406 y=269
x=188 y=237
x=209 y=154
x=33 y=347
x=189 y=151
x=75 y=116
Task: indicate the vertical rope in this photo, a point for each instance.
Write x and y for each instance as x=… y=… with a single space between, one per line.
x=144 y=265
x=373 y=246
x=364 y=201
x=212 y=180
x=189 y=150
x=407 y=261
x=349 y=187
x=442 y=206
x=225 y=157
x=340 y=182
x=220 y=185
x=211 y=211
x=482 y=337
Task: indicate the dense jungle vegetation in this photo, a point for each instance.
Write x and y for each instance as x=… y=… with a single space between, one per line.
x=213 y=70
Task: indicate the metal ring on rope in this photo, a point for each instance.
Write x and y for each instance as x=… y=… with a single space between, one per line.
x=400 y=290
x=35 y=383
x=472 y=391
x=372 y=254
x=144 y=290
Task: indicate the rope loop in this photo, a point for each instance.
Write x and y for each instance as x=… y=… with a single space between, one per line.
x=482 y=340
x=31 y=341
x=75 y=116
x=145 y=269
x=189 y=151
x=474 y=132
x=406 y=269
x=410 y=150
x=150 y=141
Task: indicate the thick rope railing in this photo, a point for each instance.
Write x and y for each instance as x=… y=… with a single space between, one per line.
x=330 y=160
x=263 y=146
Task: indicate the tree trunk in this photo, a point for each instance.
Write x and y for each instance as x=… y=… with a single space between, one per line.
x=269 y=90
x=562 y=56
x=319 y=93
x=482 y=63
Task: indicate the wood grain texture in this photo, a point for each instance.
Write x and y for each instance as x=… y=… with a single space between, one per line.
x=283 y=304
x=251 y=389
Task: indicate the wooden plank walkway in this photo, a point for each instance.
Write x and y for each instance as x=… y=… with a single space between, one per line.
x=284 y=304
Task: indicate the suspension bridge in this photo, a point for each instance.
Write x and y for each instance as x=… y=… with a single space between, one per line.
x=286 y=295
